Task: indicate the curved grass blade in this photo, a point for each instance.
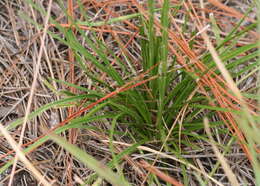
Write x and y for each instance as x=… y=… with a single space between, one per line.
x=90 y=162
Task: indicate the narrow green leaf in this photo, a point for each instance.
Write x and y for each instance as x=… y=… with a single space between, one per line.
x=90 y=162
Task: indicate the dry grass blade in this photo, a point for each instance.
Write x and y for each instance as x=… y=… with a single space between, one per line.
x=36 y=71
x=22 y=157
x=234 y=12
x=232 y=178
x=220 y=65
x=160 y=174
x=72 y=132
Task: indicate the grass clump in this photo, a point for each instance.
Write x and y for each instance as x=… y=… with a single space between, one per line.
x=150 y=82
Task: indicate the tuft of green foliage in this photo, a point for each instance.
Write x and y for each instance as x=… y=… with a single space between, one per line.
x=149 y=110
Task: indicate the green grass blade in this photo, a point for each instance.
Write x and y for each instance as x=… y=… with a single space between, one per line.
x=90 y=162
x=163 y=67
